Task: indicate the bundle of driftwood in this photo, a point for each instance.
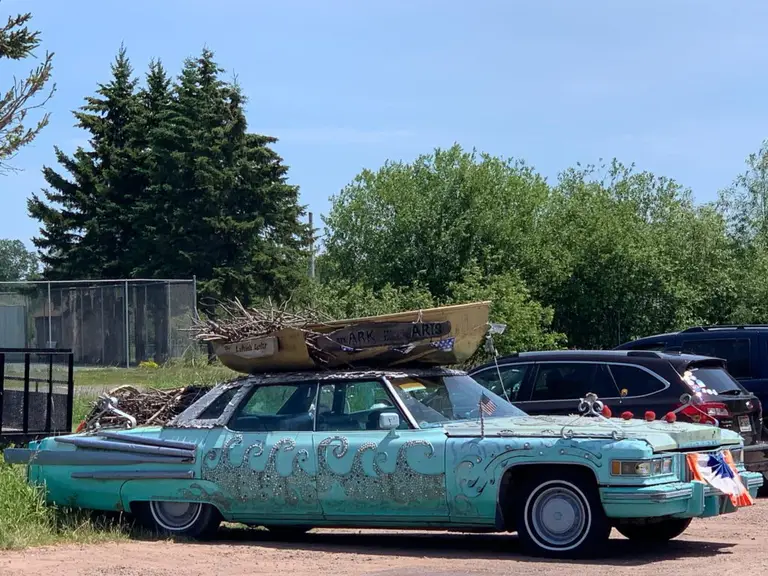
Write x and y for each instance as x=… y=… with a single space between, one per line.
x=149 y=406
x=240 y=323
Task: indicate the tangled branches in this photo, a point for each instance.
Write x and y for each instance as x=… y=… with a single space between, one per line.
x=240 y=323
x=150 y=406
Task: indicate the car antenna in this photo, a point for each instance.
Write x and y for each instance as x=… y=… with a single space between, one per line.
x=490 y=347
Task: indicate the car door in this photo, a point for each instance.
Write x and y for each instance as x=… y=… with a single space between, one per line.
x=371 y=474
x=263 y=461
x=557 y=386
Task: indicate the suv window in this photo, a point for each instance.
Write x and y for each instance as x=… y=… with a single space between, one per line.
x=572 y=380
x=636 y=381
x=734 y=350
x=512 y=377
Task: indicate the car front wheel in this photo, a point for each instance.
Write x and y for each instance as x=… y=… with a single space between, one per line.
x=560 y=515
x=656 y=532
x=189 y=519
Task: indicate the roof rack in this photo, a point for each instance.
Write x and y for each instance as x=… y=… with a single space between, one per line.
x=722 y=327
x=644 y=354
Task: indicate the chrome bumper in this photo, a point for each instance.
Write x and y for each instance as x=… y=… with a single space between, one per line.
x=684 y=499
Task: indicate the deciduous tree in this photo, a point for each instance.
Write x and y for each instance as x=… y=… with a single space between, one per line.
x=18 y=42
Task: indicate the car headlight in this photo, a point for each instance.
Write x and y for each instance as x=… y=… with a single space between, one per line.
x=738 y=456
x=655 y=467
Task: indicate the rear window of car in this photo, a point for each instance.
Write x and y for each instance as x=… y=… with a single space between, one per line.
x=711 y=381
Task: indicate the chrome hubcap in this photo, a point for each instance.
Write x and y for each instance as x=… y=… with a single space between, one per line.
x=559 y=517
x=176 y=516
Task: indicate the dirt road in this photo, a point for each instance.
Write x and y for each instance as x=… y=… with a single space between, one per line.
x=733 y=544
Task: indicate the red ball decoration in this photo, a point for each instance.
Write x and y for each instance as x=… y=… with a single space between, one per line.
x=650 y=416
x=627 y=415
x=606 y=412
x=670 y=417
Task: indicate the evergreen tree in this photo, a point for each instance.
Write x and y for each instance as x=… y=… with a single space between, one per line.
x=226 y=213
x=92 y=235
x=174 y=186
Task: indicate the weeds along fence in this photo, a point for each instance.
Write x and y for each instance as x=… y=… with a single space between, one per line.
x=103 y=322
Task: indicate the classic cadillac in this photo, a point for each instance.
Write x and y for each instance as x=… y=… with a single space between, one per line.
x=415 y=448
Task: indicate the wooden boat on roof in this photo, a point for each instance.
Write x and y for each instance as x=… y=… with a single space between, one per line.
x=435 y=336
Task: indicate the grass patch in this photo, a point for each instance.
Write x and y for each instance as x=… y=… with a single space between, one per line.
x=174 y=374
x=25 y=520
x=82 y=405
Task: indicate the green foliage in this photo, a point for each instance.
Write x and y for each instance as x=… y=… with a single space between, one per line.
x=603 y=255
x=174 y=185
x=343 y=299
x=16 y=262
x=427 y=221
x=528 y=322
x=18 y=42
x=25 y=520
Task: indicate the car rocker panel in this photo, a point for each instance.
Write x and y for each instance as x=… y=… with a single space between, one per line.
x=544 y=477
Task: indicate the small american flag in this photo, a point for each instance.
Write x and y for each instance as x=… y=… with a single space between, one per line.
x=487 y=405
x=444 y=345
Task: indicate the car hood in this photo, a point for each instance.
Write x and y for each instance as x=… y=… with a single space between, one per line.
x=662 y=436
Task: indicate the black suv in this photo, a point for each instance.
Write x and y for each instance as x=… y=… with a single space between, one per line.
x=634 y=381
x=744 y=348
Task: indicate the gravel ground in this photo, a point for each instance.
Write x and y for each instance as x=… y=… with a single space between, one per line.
x=732 y=544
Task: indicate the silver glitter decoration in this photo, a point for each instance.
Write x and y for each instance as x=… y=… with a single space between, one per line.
x=244 y=483
x=404 y=486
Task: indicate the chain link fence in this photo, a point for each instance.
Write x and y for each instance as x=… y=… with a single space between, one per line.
x=104 y=323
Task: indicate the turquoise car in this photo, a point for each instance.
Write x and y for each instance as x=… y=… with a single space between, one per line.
x=411 y=449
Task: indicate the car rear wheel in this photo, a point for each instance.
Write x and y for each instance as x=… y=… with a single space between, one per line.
x=655 y=532
x=190 y=519
x=559 y=515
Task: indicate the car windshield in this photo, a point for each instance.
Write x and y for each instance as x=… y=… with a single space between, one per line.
x=712 y=381
x=435 y=400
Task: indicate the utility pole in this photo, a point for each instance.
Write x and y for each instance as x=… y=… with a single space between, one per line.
x=311 y=248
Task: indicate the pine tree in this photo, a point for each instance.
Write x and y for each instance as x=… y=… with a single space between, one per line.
x=174 y=186
x=92 y=235
x=227 y=215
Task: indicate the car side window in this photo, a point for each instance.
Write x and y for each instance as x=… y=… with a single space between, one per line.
x=636 y=381
x=355 y=406
x=736 y=351
x=283 y=407
x=512 y=377
x=572 y=380
x=216 y=408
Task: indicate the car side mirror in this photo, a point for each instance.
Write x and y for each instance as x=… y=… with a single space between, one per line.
x=388 y=421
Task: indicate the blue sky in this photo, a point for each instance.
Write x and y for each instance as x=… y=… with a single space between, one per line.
x=678 y=87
